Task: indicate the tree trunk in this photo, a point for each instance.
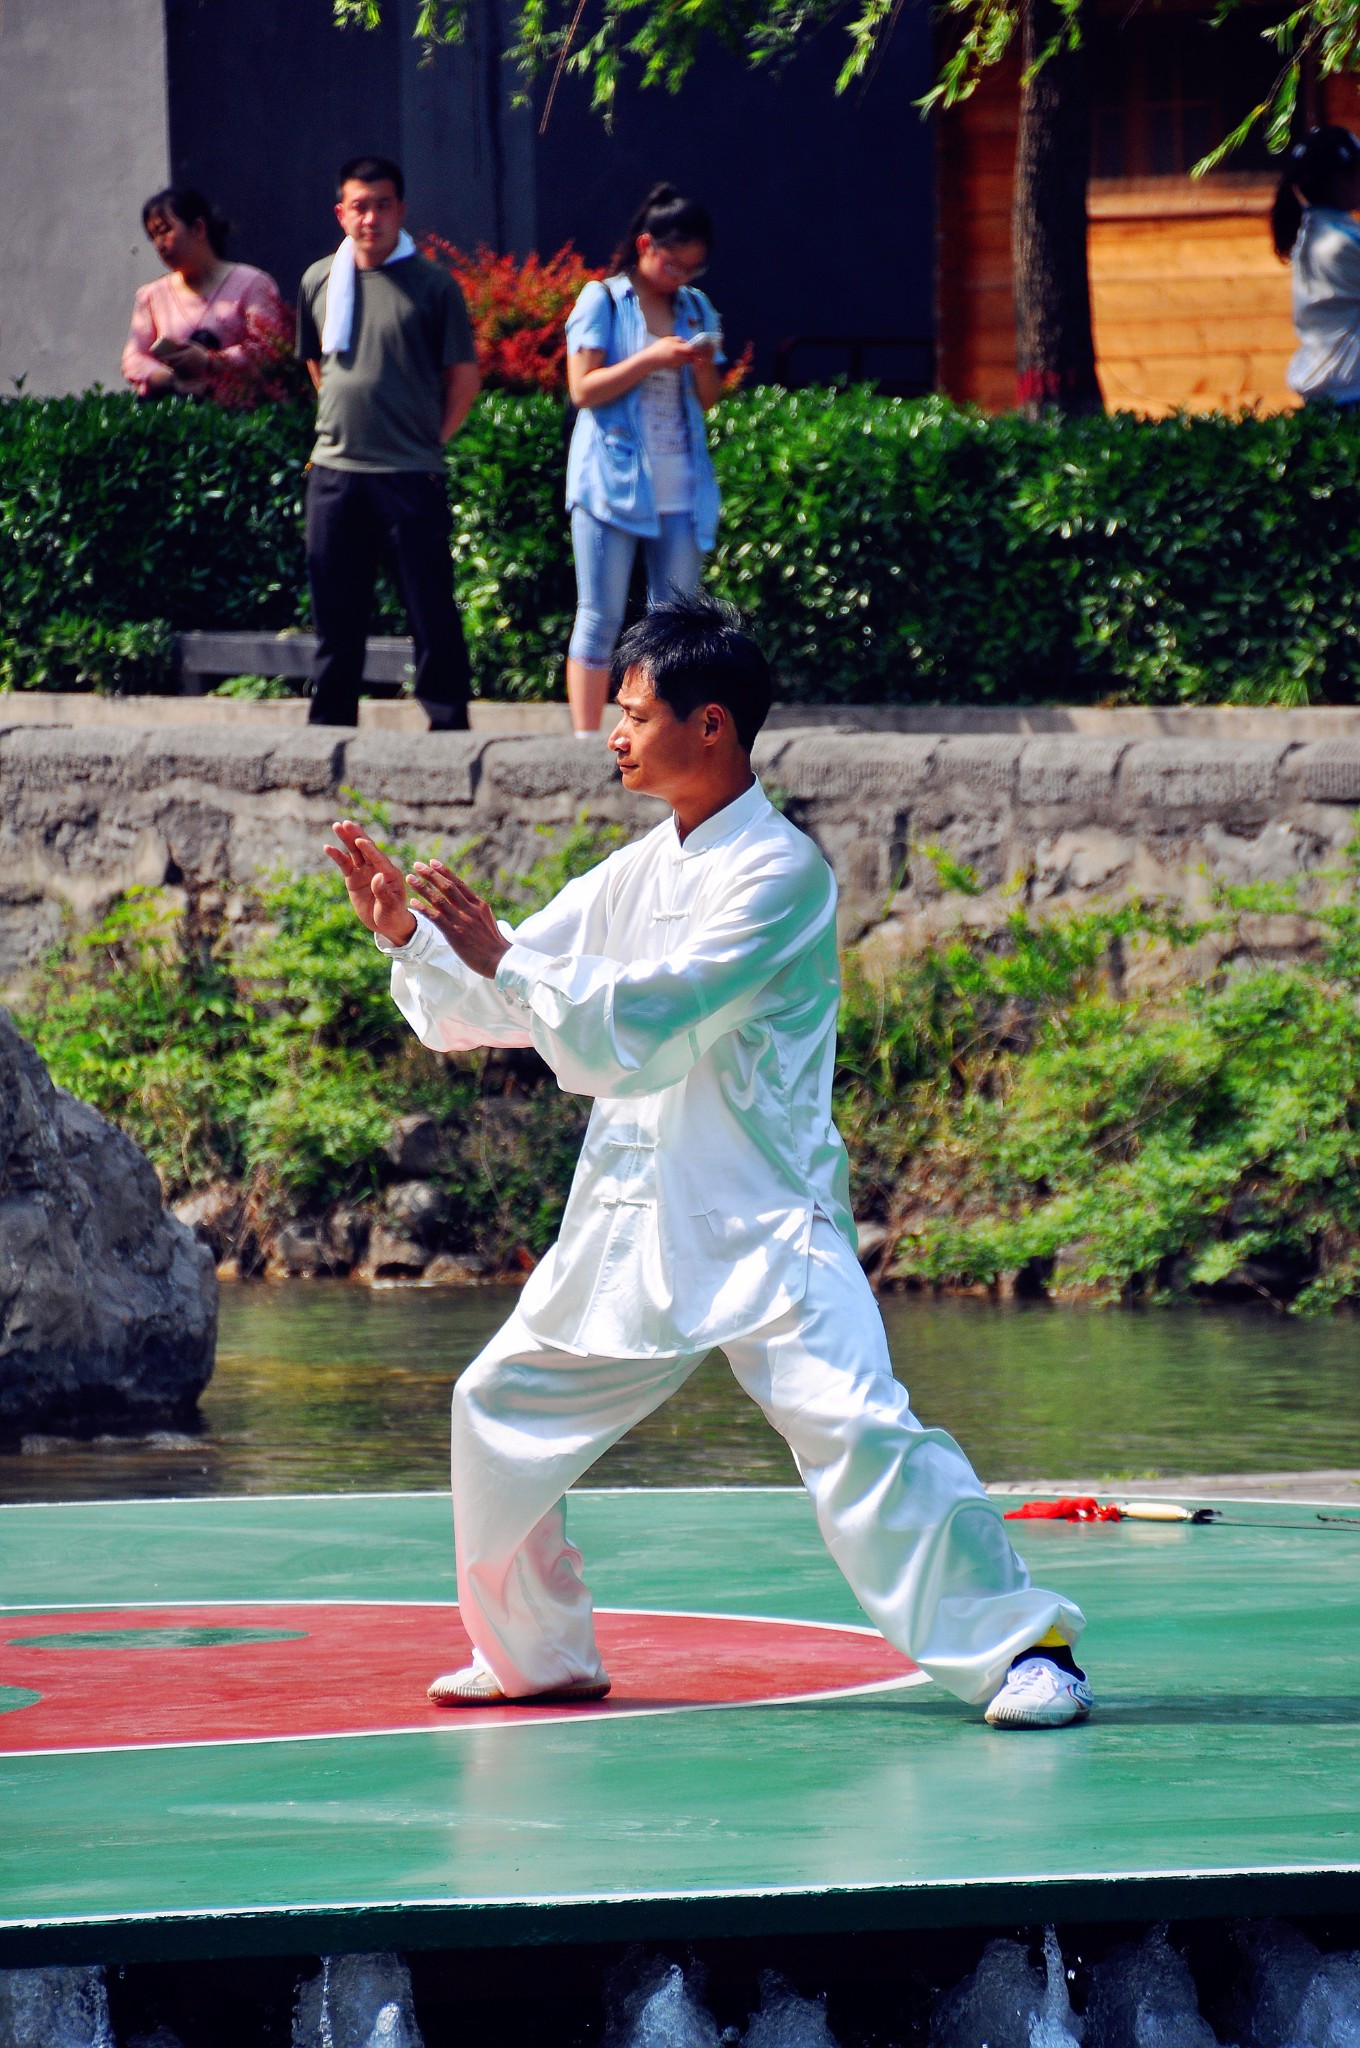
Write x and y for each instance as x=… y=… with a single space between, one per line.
x=1055 y=355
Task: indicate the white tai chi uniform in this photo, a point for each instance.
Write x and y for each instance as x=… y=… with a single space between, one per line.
x=692 y=989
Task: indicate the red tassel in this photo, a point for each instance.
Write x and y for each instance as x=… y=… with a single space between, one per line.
x=1072 y=1508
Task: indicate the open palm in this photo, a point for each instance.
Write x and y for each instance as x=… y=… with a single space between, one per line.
x=374 y=882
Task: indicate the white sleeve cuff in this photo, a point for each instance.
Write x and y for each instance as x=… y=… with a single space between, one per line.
x=519 y=972
x=416 y=947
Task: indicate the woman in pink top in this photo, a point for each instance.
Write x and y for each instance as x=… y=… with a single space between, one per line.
x=202 y=311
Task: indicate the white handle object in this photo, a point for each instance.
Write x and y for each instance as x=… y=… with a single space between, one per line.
x=1154 y=1511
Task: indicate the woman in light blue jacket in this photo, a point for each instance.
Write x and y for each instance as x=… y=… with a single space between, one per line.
x=1314 y=228
x=644 y=364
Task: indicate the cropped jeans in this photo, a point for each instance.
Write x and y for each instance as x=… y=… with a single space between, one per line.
x=604 y=567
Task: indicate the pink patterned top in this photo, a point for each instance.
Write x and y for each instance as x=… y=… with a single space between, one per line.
x=169 y=308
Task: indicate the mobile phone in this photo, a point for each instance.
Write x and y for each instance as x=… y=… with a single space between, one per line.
x=708 y=340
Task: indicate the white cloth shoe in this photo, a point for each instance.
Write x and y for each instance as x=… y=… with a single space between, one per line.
x=475 y=1687
x=1039 y=1694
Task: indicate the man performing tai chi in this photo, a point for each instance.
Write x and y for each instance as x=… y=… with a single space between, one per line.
x=689 y=985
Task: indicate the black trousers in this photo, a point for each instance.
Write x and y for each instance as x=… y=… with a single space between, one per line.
x=355 y=521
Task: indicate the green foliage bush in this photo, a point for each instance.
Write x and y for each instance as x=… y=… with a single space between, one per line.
x=267 y=1050
x=74 y=652
x=1016 y=1104
x=1012 y=1109
x=887 y=550
x=128 y=512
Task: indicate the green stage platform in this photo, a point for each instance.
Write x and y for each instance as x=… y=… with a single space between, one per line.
x=213 y=1740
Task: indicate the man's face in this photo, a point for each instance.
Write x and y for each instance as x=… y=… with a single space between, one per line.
x=371 y=215
x=659 y=754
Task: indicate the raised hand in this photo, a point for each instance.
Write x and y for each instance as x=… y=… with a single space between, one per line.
x=374 y=883
x=465 y=919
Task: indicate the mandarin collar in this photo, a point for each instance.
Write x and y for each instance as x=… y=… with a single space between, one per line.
x=743 y=810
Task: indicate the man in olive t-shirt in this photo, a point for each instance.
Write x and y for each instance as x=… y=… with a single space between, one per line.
x=386 y=338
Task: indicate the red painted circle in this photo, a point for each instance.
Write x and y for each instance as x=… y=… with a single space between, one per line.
x=362 y=1669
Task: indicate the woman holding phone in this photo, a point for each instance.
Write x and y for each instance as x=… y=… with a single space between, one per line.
x=203 y=309
x=644 y=364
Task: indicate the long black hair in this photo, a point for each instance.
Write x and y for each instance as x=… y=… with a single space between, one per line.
x=188 y=204
x=668 y=218
x=1311 y=168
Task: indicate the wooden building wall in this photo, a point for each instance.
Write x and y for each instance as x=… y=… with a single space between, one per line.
x=1189 y=301
x=1190 y=304
x=974 y=306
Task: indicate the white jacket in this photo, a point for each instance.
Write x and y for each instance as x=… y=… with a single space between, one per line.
x=692 y=989
x=1326 y=273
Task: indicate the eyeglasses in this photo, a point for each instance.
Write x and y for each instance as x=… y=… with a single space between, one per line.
x=686 y=272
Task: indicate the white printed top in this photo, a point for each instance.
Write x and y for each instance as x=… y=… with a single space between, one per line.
x=665 y=434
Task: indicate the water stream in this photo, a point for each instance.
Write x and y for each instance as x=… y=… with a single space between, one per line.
x=322 y=1386
x=1281 y=1991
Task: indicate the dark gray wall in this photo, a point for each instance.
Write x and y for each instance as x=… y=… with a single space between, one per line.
x=267 y=99
x=82 y=142
x=822 y=205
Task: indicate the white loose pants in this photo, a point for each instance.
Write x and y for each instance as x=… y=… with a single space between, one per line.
x=900 y=1508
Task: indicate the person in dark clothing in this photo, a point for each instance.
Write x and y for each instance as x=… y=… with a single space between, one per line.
x=386 y=338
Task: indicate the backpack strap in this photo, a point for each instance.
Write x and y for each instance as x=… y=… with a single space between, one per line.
x=608 y=284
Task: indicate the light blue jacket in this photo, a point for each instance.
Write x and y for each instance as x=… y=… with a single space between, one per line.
x=607 y=469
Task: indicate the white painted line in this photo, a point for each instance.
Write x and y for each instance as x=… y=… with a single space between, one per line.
x=845 y=1628
x=208 y=1500
x=484 y=1901
x=475 y=1720
x=1001 y=1489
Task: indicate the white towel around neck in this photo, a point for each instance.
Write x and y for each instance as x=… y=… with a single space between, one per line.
x=340 y=292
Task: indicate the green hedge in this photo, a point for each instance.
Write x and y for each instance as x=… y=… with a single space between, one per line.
x=887 y=550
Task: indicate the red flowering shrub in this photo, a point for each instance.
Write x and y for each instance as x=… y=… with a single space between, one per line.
x=739 y=368
x=519 y=314
x=261 y=370
x=518 y=311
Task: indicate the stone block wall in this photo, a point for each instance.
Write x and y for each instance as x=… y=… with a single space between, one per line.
x=86 y=811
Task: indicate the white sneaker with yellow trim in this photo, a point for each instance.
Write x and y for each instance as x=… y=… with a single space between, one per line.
x=1039 y=1694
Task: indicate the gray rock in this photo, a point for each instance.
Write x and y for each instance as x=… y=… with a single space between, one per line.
x=297 y=1251
x=108 y=1304
x=1328 y=771
x=413 y=1145
x=977 y=764
x=211 y=754
x=346 y=1234
x=839 y=765
x=455 y=1269
x=215 y=1215
x=307 y=759
x=60 y=2007
x=1201 y=775
x=51 y=759
x=537 y=768
x=872 y=1238
x=417 y=1207
x=1065 y=770
x=410 y=768
x=392 y=1256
